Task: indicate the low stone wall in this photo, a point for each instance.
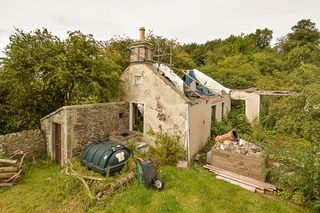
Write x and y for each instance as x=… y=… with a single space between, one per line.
x=97 y=122
x=31 y=141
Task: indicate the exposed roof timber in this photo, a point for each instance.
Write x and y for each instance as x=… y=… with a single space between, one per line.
x=271 y=92
x=195 y=93
x=276 y=93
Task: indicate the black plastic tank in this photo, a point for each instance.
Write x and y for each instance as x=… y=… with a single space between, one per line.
x=102 y=156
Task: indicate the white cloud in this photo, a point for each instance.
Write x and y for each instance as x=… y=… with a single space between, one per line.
x=186 y=20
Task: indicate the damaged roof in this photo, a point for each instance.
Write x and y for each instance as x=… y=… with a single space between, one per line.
x=193 y=81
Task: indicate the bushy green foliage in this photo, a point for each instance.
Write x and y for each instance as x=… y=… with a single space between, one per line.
x=167 y=149
x=298 y=172
x=235 y=120
x=41 y=73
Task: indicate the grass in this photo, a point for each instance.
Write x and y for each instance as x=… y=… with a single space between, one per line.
x=46 y=189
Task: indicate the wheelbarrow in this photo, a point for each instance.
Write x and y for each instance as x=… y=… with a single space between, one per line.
x=146 y=174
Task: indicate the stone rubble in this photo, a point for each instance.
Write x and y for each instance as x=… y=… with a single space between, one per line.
x=242 y=146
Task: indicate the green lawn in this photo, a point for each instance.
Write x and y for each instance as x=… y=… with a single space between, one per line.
x=46 y=189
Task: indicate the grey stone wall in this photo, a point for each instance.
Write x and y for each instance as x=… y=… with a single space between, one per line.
x=82 y=124
x=31 y=141
x=97 y=122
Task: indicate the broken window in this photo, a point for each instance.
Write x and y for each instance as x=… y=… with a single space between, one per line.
x=137 y=117
x=222 y=110
x=213 y=112
x=138 y=80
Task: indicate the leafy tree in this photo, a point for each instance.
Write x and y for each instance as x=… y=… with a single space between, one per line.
x=181 y=59
x=303 y=33
x=43 y=73
x=262 y=38
x=234 y=72
x=117 y=50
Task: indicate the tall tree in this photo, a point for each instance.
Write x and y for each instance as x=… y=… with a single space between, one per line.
x=303 y=33
x=43 y=73
x=262 y=38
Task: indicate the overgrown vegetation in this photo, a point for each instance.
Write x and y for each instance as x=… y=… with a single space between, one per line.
x=41 y=73
x=293 y=160
x=45 y=189
x=167 y=149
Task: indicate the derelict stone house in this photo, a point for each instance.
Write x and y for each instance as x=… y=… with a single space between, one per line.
x=164 y=100
x=155 y=97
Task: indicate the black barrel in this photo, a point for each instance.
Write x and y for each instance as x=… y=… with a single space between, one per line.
x=101 y=156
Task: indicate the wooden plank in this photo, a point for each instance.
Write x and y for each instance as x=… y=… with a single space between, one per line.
x=259 y=191
x=240 y=181
x=8 y=169
x=7 y=175
x=6 y=184
x=242 y=185
x=256 y=184
x=13 y=177
x=6 y=161
x=240 y=177
x=237 y=175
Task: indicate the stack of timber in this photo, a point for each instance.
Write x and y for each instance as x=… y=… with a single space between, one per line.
x=240 y=180
x=10 y=170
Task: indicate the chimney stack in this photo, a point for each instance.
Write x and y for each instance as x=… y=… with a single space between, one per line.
x=141 y=51
x=142 y=36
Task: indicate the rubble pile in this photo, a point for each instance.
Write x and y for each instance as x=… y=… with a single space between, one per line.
x=239 y=146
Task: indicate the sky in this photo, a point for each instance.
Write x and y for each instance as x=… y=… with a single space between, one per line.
x=185 y=20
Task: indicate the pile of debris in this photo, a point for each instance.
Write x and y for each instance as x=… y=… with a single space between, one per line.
x=240 y=146
x=10 y=169
x=239 y=162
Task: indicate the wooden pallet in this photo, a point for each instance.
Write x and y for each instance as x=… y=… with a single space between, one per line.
x=240 y=180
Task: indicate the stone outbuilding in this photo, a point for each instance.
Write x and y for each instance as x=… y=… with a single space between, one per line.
x=68 y=129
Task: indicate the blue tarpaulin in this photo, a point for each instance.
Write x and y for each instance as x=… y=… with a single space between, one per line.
x=202 y=90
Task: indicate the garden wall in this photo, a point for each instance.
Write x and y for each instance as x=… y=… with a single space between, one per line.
x=31 y=142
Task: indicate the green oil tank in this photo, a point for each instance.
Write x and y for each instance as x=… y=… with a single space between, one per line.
x=101 y=156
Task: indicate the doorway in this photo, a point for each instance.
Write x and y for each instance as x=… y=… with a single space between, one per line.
x=57 y=143
x=137 y=115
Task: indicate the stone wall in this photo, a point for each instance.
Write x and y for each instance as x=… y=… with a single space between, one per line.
x=31 y=141
x=97 y=122
x=164 y=107
x=200 y=120
x=82 y=124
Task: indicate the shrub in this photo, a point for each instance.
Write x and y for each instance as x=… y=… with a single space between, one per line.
x=167 y=149
x=299 y=171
